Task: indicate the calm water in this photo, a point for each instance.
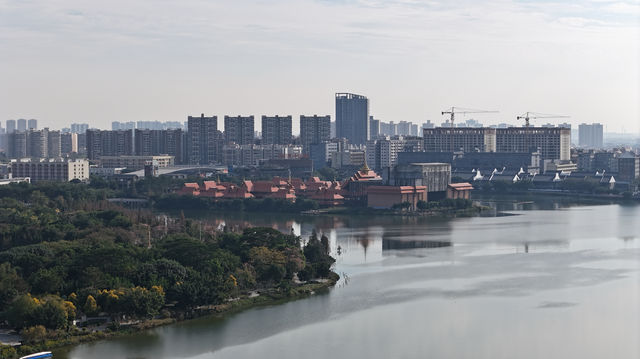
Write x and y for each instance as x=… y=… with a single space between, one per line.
x=539 y=281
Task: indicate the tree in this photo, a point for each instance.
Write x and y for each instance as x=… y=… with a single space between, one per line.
x=269 y=264
x=11 y=284
x=52 y=314
x=22 y=311
x=33 y=335
x=90 y=305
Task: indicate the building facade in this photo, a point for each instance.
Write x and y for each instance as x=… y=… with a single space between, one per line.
x=352 y=118
x=238 y=129
x=314 y=130
x=109 y=143
x=590 y=136
x=32 y=124
x=68 y=143
x=136 y=162
x=51 y=169
x=628 y=167
x=54 y=145
x=276 y=130
x=554 y=143
x=443 y=139
x=203 y=140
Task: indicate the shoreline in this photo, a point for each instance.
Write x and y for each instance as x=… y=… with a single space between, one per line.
x=267 y=298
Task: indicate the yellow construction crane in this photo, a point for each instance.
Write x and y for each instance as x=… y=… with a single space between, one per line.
x=533 y=115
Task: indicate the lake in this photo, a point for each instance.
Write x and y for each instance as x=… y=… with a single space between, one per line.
x=529 y=280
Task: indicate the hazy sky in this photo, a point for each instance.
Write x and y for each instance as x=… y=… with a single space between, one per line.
x=131 y=60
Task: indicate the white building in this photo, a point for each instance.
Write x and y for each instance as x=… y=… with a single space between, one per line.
x=57 y=170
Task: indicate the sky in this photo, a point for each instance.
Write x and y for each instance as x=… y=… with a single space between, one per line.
x=160 y=60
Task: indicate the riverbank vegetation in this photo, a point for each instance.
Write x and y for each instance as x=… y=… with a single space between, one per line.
x=69 y=260
x=174 y=201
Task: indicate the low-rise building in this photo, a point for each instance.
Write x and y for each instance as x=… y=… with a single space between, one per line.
x=347 y=159
x=136 y=162
x=388 y=196
x=435 y=176
x=459 y=190
x=51 y=169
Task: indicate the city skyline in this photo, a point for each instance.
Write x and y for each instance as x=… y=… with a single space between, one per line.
x=84 y=62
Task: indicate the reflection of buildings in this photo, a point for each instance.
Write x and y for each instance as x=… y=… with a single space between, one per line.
x=389 y=244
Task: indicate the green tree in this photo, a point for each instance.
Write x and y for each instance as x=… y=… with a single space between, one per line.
x=11 y=284
x=22 y=311
x=34 y=334
x=90 y=305
x=269 y=264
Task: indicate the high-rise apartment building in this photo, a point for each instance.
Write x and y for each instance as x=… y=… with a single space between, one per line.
x=79 y=127
x=17 y=144
x=22 y=124
x=388 y=129
x=447 y=139
x=203 y=140
x=554 y=143
x=238 y=129
x=352 y=118
x=32 y=124
x=383 y=152
x=54 y=145
x=314 y=130
x=428 y=124
x=116 y=125
x=590 y=136
x=414 y=130
x=374 y=127
x=109 y=143
x=276 y=130
x=37 y=143
x=404 y=128
x=68 y=143
x=11 y=126
x=159 y=142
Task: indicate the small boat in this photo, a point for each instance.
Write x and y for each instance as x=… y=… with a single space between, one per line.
x=38 y=355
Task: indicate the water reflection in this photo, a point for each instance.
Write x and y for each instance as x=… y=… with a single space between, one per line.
x=539 y=283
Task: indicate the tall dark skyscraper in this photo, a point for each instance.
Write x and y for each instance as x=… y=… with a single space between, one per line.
x=314 y=129
x=32 y=124
x=202 y=139
x=238 y=129
x=276 y=130
x=352 y=117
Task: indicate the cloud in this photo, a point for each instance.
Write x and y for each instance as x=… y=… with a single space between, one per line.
x=411 y=57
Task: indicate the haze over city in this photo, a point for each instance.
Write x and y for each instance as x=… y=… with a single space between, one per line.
x=75 y=61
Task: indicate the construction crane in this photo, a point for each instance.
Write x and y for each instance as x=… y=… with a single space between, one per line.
x=460 y=110
x=533 y=115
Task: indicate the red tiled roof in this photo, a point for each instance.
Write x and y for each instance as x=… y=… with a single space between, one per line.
x=461 y=186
